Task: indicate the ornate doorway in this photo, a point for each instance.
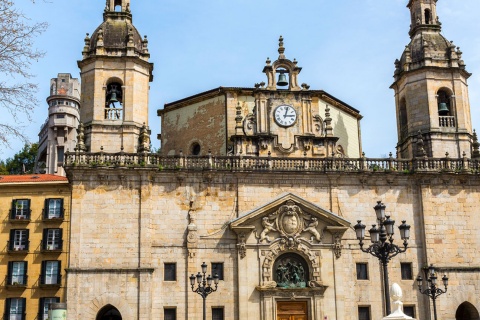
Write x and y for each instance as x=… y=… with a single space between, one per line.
x=466 y=311
x=292 y=310
x=109 y=312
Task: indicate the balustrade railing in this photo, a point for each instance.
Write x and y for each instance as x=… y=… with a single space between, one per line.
x=446 y=121
x=113 y=113
x=253 y=163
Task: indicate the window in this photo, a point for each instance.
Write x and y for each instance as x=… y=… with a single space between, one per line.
x=409 y=311
x=50 y=273
x=60 y=155
x=362 y=271
x=52 y=239
x=17 y=273
x=20 y=209
x=15 y=308
x=18 y=240
x=43 y=307
x=363 y=313
x=427 y=16
x=218 y=314
x=217 y=268
x=53 y=209
x=170 y=314
x=195 y=149
x=170 y=272
x=406 y=269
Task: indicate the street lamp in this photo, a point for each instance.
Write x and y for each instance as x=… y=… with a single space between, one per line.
x=381 y=248
x=204 y=287
x=432 y=290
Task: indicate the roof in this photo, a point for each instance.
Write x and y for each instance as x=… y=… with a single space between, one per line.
x=32 y=178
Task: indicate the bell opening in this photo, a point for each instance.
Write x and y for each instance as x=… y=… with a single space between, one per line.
x=114 y=96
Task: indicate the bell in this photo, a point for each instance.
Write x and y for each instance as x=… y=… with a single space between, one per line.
x=113 y=97
x=442 y=108
x=282 y=80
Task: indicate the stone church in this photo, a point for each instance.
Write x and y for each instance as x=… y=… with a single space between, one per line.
x=263 y=186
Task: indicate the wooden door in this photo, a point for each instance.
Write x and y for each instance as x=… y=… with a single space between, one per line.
x=296 y=310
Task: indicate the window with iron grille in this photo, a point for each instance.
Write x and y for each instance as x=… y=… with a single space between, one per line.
x=170 y=272
x=15 y=308
x=20 y=209
x=17 y=273
x=218 y=314
x=43 y=306
x=50 y=273
x=52 y=239
x=18 y=239
x=217 y=268
x=169 y=314
x=406 y=269
x=364 y=313
x=362 y=271
x=53 y=209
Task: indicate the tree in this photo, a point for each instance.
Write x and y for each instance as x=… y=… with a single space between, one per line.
x=17 y=53
x=22 y=162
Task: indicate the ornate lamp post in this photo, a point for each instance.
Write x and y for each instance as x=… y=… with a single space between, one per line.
x=381 y=248
x=432 y=290
x=204 y=287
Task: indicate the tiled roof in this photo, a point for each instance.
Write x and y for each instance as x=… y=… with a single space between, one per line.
x=31 y=178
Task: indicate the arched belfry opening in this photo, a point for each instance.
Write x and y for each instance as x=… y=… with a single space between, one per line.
x=428 y=16
x=109 y=312
x=291 y=271
x=114 y=101
x=467 y=311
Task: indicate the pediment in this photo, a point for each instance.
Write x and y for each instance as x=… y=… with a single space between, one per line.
x=290 y=217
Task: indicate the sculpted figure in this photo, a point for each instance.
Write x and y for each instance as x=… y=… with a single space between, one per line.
x=267 y=227
x=312 y=228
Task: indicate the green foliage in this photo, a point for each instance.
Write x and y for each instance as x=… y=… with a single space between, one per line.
x=22 y=162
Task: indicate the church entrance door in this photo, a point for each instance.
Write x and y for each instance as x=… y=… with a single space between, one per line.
x=292 y=310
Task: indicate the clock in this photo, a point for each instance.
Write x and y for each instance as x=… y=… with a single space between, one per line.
x=285 y=115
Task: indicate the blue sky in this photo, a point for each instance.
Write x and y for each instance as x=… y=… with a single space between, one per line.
x=345 y=47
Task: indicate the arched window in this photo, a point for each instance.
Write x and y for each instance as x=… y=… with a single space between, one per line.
x=118 y=5
x=428 y=16
x=195 y=149
x=109 y=312
x=466 y=311
x=291 y=271
x=403 y=118
x=444 y=103
x=114 y=101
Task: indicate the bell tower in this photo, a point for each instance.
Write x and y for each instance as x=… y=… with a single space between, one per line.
x=115 y=74
x=431 y=91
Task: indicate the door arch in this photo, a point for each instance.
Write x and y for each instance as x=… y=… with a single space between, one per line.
x=466 y=311
x=109 y=312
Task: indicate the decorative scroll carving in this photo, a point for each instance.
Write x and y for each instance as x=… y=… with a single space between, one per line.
x=318 y=124
x=242 y=248
x=249 y=124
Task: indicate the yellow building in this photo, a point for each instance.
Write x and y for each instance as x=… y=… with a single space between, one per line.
x=35 y=229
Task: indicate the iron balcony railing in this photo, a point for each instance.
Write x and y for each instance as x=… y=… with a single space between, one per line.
x=256 y=163
x=16 y=280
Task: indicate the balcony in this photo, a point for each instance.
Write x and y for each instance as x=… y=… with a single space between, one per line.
x=55 y=247
x=19 y=216
x=21 y=248
x=113 y=114
x=16 y=282
x=446 y=121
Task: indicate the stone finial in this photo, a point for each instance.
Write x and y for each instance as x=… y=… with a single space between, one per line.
x=420 y=145
x=145 y=44
x=144 y=145
x=86 y=48
x=396 y=295
x=328 y=123
x=268 y=62
x=475 y=146
x=281 y=48
x=81 y=138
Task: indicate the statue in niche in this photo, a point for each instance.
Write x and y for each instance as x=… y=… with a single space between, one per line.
x=290 y=273
x=267 y=227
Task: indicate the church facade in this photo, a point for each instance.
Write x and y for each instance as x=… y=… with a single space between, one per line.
x=264 y=186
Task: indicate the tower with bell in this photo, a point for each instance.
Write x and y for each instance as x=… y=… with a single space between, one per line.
x=115 y=75
x=431 y=92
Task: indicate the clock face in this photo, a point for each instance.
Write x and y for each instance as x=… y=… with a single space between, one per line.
x=285 y=115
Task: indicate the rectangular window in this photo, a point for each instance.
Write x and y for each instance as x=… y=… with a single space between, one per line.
x=53 y=209
x=21 y=209
x=43 y=306
x=18 y=240
x=60 y=155
x=52 y=239
x=362 y=271
x=17 y=273
x=170 y=272
x=50 y=272
x=217 y=268
x=15 y=308
x=406 y=269
x=218 y=314
x=409 y=311
x=363 y=313
x=169 y=314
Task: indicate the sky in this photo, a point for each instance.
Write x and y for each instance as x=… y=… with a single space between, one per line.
x=345 y=47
